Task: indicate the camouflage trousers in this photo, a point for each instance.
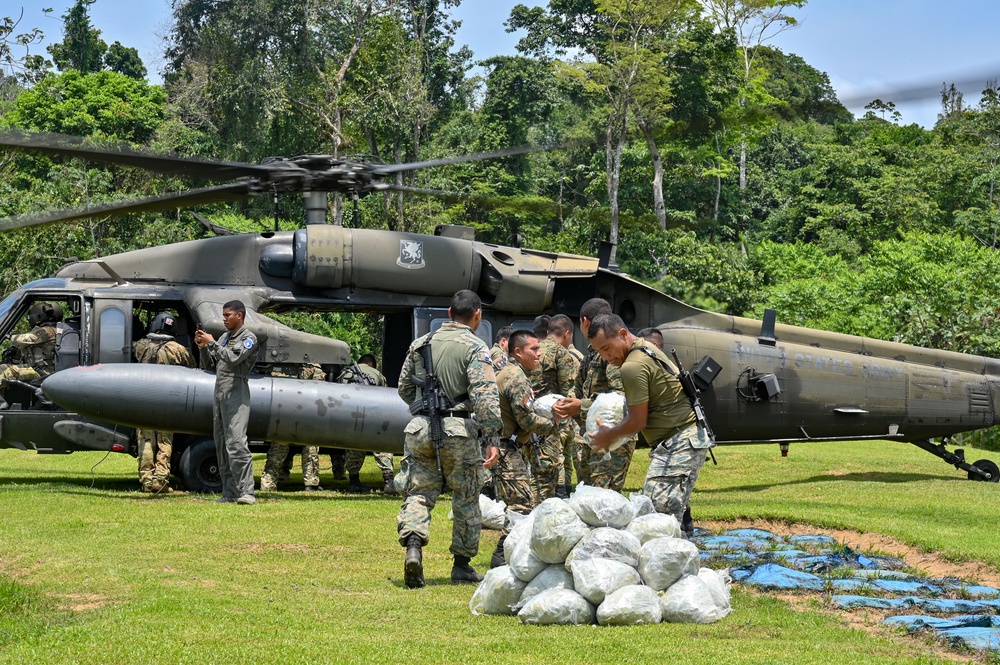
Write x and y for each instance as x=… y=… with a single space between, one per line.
x=673 y=470
x=569 y=432
x=546 y=461
x=609 y=470
x=355 y=459
x=512 y=479
x=276 y=455
x=420 y=483
x=155 y=449
x=18 y=373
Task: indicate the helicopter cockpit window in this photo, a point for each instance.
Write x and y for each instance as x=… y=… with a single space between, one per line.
x=113 y=346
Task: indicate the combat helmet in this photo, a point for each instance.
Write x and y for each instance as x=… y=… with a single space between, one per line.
x=163 y=323
x=44 y=312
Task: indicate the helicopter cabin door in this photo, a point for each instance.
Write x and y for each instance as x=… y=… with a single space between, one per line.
x=113 y=330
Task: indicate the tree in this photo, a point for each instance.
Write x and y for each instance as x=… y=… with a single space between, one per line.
x=82 y=48
x=124 y=60
x=15 y=48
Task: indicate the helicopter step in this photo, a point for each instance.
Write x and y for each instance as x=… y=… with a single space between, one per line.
x=983 y=470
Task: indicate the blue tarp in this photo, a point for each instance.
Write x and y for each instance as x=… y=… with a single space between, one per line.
x=814 y=563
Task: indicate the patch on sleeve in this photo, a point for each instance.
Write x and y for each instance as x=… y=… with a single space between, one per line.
x=248 y=344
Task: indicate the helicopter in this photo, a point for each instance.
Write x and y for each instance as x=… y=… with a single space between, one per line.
x=760 y=381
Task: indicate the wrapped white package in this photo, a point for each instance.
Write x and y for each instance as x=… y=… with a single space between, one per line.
x=524 y=562
x=557 y=606
x=543 y=405
x=554 y=577
x=610 y=409
x=630 y=605
x=606 y=543
x=493 y=513
x=598 y=506
x=689 y=600
x=663 y=561
x=499 y=591
x=520 y=529
x=657 y=525
x=643 y=504
x=596 y=578
x=718 y=582
x=556 y=530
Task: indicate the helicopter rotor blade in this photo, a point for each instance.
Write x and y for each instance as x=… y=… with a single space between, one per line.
x=534 y=204
x=388 y=169
x=72 y=146
x=231 y=192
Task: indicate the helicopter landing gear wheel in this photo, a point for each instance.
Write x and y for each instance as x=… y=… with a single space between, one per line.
x=199 y=467
x=990 y=468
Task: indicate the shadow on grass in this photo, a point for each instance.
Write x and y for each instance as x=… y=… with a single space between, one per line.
x=88 y=482
x=866 y=477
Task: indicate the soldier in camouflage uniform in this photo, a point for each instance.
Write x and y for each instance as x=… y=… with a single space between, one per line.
x=233 y=357
x=37 y=349
x=572 y=439
x=556 y=374
x=462 y=364
x=498 y=354
x=365 y=372
x=520 y=423
x=658 y=407
x=277 y=452
x=597 y=376
x=155 y=448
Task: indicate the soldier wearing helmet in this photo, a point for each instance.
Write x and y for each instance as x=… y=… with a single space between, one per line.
x=155 y=448
x=35 y=350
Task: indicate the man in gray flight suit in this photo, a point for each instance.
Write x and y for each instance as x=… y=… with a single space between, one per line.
x=233 y=357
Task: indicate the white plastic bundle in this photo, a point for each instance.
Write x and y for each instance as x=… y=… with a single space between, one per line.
x=657 y=525
x=630 y=605
x=493 y=513
x=611 y=410
x=596 y=578
x=663 y=561
x=598 y=506
x=557 y=606
x=642 y=504
x=556 y=530
x=543 y=405
x=718 y=582
x=523 y=561
x=499 y=591
x=606 y=543
x=689 y=600
x=520 y=529
x=553 y=577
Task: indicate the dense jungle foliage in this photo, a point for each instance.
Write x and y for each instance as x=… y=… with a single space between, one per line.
x=726 y=171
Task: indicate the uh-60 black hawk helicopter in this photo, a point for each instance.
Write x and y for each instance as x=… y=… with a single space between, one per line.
x=760 y=382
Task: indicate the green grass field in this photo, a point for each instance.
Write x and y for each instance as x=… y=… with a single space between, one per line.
x=92 y=571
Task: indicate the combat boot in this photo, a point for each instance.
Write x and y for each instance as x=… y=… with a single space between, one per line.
x=463 y=573
x=413 y=568
x=562 y=491
x=687 y=523
x=390 y=483
x=355 y=486
x=498 y=559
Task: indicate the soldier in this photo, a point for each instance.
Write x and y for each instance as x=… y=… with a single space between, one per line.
x=498 y=354
x=658 y=407
x=461 y=364
x=556 y=374
x=365 y=372
x=233 y=357
x=520 y=424
x=573 y=439
x=653 y=336
x=596 y=376
x=278 y=453
x=158 y=347
x=36 y=349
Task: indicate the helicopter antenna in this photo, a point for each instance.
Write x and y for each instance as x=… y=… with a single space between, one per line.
x=274 y=192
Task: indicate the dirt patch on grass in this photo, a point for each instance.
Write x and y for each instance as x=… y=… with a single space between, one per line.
x=927 y=562
x=80 y=602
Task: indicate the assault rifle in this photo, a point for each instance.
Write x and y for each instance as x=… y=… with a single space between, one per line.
x=687 y=383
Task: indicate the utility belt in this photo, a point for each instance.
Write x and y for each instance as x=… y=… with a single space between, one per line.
x=458 y=413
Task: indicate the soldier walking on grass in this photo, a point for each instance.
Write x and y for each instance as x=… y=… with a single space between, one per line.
x=441 y=441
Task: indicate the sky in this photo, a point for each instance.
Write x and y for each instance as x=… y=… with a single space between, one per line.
x=869 y=48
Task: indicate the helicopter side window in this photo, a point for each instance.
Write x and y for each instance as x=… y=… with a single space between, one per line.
x=113 y=346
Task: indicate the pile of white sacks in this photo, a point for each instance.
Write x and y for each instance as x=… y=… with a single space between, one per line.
x=600 y=557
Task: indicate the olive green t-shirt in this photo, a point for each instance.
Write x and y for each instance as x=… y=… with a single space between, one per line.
x=645 y=380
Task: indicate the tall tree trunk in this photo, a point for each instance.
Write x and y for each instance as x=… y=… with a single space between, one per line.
x=398 y=153
x=743 y=165
x=614 y=143
x=659 y=207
